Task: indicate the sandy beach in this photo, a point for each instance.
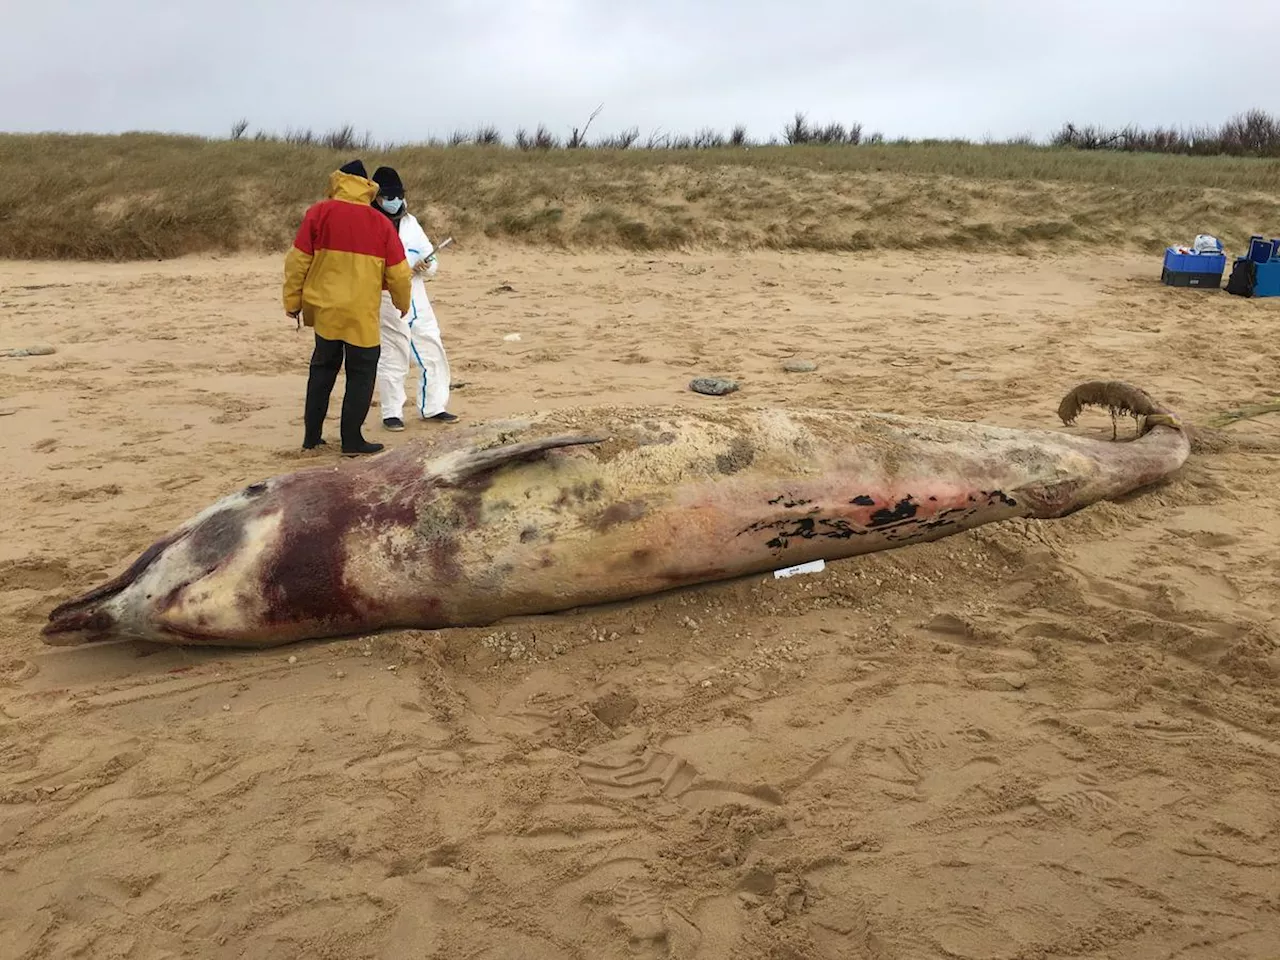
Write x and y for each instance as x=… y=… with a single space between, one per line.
x=1036 y=740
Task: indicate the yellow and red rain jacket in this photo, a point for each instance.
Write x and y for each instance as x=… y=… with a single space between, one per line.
x=344 y=255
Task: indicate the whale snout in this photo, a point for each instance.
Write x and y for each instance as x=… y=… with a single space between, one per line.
x=90 y=617
x=83 y=625
x=141 y=602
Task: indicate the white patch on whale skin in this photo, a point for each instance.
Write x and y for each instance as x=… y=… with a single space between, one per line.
x=213 y=602
x=384 y=562
x=219 y=603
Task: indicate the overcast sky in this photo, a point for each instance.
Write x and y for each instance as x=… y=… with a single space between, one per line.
x=409 y=70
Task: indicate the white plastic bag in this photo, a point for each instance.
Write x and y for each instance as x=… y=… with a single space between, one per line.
x=1206 y=243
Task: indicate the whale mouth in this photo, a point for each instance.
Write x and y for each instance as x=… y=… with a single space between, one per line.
x=83 y=619
x=95 y=624
x=78 y=626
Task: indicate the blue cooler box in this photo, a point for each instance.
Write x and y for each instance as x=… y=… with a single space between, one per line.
x=1193 y=269
x=1267 y=283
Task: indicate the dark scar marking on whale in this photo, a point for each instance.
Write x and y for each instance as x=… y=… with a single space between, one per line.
x=626 y=512
x=213 y=542
x=899 y=524
x=579 y=494
x=789 y=504
x=739 y=456
x=904 y=509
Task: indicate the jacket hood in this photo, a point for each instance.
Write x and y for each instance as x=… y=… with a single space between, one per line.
x=349 y=187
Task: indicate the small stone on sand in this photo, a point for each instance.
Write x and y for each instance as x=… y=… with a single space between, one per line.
x=799 y=366
x=998 y=681
x=712 y=386
x=39 y=350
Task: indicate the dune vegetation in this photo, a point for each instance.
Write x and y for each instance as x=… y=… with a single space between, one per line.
x=814 y=187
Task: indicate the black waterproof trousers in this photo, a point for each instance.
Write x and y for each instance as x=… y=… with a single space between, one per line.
x=362 y=371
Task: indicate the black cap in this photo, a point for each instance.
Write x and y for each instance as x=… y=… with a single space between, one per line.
x=388 y=182
x=354 y=167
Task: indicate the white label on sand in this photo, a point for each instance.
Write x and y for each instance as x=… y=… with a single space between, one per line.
x=813 y=566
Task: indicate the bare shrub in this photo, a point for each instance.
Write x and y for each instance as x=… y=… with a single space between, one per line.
x=300 y=137
x=620 y=141
x=797 y=131
x=707 y=139
x=658 y=141
x=343 y=138
x=544 y=139
x=1254 y=133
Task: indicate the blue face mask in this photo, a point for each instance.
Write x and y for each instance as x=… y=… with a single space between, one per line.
x=391 y=206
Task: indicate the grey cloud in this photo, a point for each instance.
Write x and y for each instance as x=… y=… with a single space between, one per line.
x=404 y=71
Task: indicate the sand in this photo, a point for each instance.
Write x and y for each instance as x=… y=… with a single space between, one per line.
x=1035 y=740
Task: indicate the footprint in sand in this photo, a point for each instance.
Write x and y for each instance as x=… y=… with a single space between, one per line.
x=620 y=892
x=33 y=573
x=15 y=670
x=651 y=774
x=1078 y=804
x=634 y=773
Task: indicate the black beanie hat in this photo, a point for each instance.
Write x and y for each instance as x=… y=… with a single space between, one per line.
x=355 y=167
x=388 y=182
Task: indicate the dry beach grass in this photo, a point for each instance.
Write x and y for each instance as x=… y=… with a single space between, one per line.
x=1031 y=741
x=145 y=196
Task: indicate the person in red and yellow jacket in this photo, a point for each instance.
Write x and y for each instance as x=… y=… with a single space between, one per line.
x=344 y=255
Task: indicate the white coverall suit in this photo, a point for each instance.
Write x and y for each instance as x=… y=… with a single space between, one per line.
x=416 y=335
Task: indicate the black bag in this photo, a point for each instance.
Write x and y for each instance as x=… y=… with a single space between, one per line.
x=1243 y=277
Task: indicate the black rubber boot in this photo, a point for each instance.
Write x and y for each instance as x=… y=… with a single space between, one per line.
x=362 y=372
x=326 y=361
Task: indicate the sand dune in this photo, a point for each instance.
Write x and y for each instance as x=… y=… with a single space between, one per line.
x=1035 y=740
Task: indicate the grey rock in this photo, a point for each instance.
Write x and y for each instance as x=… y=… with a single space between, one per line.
x=799 y=366
x=712 y=386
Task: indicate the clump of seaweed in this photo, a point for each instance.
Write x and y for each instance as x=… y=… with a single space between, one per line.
x=1118 y=398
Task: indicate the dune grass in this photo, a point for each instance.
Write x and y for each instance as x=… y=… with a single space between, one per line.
x=140 y=196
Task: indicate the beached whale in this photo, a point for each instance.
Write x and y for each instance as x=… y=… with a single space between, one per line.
x=590 y=505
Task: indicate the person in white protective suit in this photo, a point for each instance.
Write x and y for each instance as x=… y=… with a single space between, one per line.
x=417 y=335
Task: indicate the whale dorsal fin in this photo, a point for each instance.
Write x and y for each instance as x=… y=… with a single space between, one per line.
x=461 y=465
